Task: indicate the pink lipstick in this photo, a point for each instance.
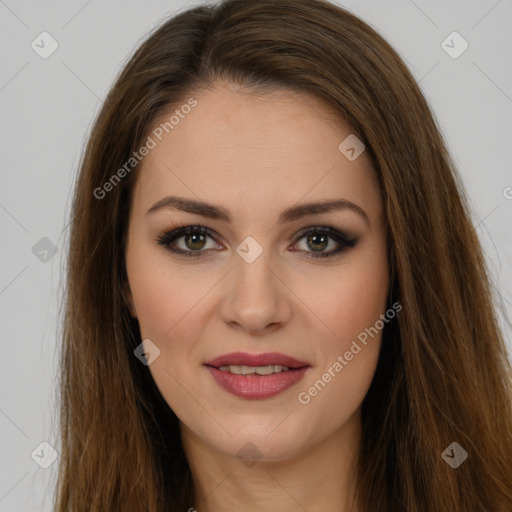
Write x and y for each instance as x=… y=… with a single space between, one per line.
x=256 y=376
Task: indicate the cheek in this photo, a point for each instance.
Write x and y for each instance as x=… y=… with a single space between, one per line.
x=168 y=300
x=164 y=294
x=351 y=298
x=360 y=299
x=350 y=307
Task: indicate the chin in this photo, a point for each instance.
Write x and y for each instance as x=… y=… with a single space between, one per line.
x=259 y=446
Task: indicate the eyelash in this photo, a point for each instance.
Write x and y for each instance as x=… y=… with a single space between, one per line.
x=170 y=236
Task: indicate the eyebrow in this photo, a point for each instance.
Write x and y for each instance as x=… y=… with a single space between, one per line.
x=290 y=214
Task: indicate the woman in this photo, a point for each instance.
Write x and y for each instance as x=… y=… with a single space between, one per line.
x=276 y=299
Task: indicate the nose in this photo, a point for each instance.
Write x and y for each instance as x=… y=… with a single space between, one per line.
x=256 y=299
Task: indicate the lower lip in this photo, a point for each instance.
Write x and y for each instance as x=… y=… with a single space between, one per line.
x=255 y=386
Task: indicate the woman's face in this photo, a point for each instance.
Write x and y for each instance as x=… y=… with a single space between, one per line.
x=257 y=281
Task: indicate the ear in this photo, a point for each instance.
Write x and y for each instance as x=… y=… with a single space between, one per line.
x=127 y=295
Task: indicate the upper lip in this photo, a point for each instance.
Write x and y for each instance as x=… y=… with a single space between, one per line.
x=265 y=359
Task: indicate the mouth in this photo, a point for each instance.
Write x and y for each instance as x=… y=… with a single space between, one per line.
x=256 y=376
x=243 y=359
x=250 y=370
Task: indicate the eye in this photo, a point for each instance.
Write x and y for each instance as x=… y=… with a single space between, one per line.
x=194 y=240
x=317 y=239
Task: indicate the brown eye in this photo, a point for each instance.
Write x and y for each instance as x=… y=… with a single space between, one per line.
x=317 y=242
x=197 y=241
x=194 y=238
x=318 y=239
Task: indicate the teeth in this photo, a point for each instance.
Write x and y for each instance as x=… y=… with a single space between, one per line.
x=260 y=370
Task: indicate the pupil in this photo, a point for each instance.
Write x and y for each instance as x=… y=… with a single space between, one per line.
x=195 y=242
x=316 y=240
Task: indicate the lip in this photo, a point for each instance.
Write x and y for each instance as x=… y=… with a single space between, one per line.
x=255 y=386
x=265 y=359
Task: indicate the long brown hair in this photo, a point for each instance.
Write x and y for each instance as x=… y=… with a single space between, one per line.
x=443 y=375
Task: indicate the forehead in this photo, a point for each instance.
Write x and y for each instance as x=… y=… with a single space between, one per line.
x=258 y=150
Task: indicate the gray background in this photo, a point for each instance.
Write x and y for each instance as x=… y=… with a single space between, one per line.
x=47 y=106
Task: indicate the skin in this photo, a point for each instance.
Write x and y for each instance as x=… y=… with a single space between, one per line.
x=256 y=156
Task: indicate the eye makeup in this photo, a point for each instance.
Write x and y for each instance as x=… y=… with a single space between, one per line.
x=197 y=235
